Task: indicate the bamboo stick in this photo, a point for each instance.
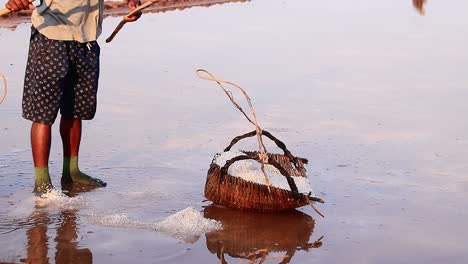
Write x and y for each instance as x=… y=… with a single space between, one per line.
x=124 y=19
x=6 y=11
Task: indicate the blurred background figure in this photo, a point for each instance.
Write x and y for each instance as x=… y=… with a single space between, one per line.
x=419 y=5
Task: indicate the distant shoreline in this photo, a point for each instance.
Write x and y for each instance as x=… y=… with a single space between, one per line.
x=119 y=8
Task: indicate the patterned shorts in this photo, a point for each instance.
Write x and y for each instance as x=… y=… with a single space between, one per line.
x=60 y=75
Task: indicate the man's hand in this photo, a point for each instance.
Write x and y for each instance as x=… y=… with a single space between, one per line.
x=132 y=4
x=17 y=5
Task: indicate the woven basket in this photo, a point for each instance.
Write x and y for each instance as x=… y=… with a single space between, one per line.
x=233 y=192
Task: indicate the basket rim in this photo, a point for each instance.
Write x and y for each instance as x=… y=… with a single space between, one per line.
x=258 y=184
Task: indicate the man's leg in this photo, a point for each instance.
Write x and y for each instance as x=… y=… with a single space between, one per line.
x=41 y=96
x=70 y=130
x=40 y=143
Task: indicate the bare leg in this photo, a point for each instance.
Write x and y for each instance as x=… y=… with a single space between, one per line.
x=70 y=130
x=40 y=143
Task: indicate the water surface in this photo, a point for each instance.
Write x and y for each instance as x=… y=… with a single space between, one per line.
x=371 y=92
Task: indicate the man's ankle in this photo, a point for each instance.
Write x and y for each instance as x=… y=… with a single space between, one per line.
x=70 y=166
x=42 y=183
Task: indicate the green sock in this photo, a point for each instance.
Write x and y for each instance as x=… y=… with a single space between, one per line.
x=72 y=174
x=42 y=184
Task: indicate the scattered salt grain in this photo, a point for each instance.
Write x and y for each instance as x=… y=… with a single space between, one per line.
x=116 y=220
x=222 y=158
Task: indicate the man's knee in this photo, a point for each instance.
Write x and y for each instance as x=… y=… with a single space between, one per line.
x=41 y=124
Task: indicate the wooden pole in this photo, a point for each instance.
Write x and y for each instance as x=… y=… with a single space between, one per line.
x=6 y=11
x=124 y=20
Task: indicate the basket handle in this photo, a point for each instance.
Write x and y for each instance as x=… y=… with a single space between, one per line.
x=272 y=162
x=278 y=143
x=263 y=156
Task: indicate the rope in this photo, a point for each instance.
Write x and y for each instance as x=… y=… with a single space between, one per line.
x=262 y=153
x=5 y=88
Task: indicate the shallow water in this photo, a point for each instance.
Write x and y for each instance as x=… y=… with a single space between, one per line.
x=371 y=92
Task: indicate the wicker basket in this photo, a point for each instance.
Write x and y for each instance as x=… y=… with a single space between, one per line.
x=234 y=192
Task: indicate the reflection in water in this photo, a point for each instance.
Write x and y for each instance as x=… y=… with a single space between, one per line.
x=67 y=245
x=253 y=236
x=67 y=250
x=419 y=5
x=119 y=8
x=37 y=239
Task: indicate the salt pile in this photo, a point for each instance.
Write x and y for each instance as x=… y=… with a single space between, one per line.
x=186 y=223
x=250 y=170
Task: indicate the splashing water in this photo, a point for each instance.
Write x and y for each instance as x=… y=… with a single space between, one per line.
x=55 y=199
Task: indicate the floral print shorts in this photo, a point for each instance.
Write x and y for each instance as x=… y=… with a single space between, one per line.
x=60 y=75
